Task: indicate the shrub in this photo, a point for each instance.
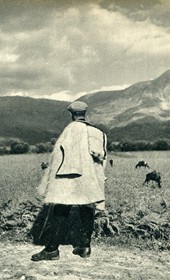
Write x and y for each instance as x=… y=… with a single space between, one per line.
x=161 y=145
x=19 y=147
x=53 y=141
x=44 y=148
x=3 y=150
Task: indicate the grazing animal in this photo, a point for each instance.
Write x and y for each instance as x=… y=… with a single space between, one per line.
x=153 y=176
x=111 y=162
x=142 y=163
x=44 y=165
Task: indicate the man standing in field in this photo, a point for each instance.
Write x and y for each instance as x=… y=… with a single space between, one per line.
x=73 y=183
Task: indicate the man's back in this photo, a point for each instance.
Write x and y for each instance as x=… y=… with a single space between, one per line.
x=75 y=177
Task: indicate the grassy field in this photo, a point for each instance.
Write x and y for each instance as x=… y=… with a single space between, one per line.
x=21 y=174
x=125 y=182
x=135 y=208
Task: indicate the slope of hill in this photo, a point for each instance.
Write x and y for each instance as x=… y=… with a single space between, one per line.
x=139 y=112
x=32 y=120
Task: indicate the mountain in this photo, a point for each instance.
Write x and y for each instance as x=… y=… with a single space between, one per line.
x=139 y=112
x=32 y=120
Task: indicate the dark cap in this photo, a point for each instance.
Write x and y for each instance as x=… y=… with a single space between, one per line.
x=77 y=106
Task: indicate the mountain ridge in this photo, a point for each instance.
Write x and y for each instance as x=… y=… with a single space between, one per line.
x=32 y=120
x=140 y=100
x=138 y=112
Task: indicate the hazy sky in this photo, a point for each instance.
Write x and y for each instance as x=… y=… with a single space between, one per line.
x=61 y=49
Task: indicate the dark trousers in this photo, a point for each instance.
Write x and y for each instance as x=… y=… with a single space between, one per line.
x=62 y=225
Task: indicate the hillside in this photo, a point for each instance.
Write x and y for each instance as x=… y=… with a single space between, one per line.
x=32 y=120
x=139 y=112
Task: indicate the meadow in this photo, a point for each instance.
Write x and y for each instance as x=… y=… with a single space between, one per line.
x=125 y=183
x=133 y=208
x=21 y=174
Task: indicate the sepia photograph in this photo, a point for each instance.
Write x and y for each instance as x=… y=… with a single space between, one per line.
x=85 y=139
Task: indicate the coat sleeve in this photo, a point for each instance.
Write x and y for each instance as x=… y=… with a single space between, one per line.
x=97 y=143
x=105 y=150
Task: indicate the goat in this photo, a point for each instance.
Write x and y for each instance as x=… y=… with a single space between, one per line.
x=153 y=176
x=111 y=162
x=44 y=165
x=142 y=163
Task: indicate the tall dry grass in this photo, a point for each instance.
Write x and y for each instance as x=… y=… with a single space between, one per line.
x=140 y=213
x=136 y=211
x=20 y=175
x=124 y=186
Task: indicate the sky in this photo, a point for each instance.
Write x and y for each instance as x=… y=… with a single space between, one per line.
x=63 y=49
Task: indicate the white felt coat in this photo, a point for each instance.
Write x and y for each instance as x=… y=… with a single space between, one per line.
x=73 y=177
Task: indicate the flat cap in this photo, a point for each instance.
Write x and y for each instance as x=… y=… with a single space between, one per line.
x=77 y=106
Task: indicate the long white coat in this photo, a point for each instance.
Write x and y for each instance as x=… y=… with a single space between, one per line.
x=73 y=177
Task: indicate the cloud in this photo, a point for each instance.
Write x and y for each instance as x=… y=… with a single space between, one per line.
x=111 y=88
x=66 y=95
x=156 y=10
x=63 y=95
x=6 y=57
x=64 y=50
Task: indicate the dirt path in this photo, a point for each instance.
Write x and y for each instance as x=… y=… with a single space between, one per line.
x=105 y=263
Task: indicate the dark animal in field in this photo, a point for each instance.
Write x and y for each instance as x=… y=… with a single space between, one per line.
x=142 y=163
x=44 y=165
x=153 y=176
x=111 y=162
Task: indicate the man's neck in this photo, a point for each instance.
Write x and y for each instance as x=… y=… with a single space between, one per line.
x=79 y=119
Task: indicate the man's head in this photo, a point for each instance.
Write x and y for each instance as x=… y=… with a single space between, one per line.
x=78 y=110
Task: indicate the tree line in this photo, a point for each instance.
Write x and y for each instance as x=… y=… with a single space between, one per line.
x=139 y=145
x=14 y=146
